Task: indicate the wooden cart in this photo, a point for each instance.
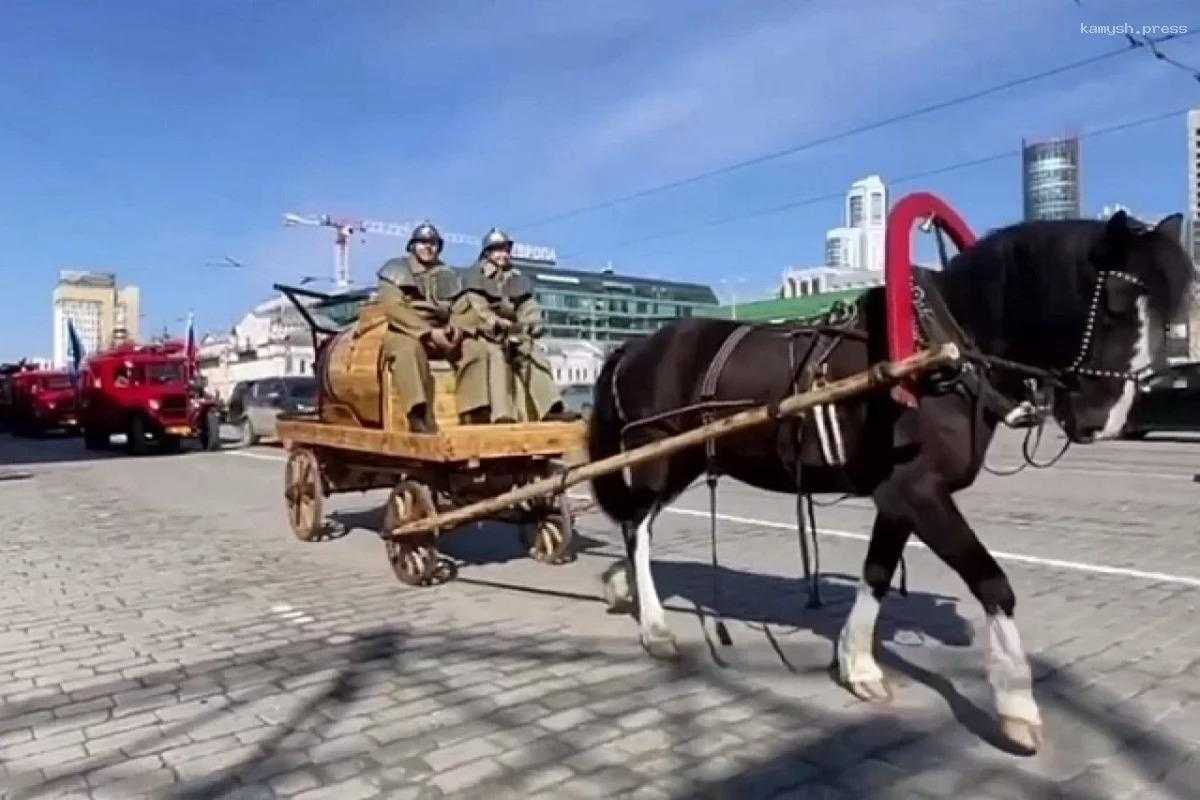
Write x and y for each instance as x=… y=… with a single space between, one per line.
x=516 y=473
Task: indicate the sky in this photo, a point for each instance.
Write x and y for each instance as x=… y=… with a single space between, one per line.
x=154 y=139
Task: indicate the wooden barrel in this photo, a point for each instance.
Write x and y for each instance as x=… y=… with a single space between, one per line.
x=351 y=372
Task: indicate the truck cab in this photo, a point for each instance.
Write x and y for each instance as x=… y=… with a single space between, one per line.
x=143 y=391
x=41 y=401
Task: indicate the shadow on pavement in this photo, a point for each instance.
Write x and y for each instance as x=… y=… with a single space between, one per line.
x=439 y=688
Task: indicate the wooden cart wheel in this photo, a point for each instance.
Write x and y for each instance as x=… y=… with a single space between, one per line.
x=414 y=559
x=552 y=541
x=302 y=493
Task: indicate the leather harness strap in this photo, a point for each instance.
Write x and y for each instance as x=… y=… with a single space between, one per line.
x=708 y=389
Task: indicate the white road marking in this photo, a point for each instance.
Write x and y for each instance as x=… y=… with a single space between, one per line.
x=1020 y=558
x=259 y=456
x=1057 y=563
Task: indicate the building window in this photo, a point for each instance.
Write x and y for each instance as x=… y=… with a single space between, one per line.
x=856 y=211
x=876 y=208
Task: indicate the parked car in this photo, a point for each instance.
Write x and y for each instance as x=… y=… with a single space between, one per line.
x=254 y=405
x=1168 y=400
x=578 y=398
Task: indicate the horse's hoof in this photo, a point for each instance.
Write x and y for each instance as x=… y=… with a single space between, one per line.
x=871 y=691
x=1024 y=735
x=617 y=594
x=618 y=605
x=662 y=646
x=618 y=601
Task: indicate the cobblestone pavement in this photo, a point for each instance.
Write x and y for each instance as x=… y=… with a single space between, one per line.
x=164 y=634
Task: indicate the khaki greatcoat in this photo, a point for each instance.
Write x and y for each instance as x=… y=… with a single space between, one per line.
x=500 y=368
x=416 y=299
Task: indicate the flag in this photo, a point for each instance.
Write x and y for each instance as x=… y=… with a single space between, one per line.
x=75 y=351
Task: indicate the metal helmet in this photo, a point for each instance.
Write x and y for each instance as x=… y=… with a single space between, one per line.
x=425 y=232
x=495 y=238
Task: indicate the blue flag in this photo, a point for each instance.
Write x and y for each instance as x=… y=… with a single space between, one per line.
x=75 y=351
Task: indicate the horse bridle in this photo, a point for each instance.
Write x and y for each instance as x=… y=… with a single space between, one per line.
x=1089 y=329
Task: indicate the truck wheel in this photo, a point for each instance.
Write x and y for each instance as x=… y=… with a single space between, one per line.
x=136 y=444
x=95 y=440
x=210 y=431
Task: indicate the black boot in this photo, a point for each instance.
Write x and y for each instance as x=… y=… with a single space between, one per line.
x=559 y=414
x=476 y=416
x=417 y=422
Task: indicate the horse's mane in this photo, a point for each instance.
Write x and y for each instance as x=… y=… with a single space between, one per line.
x=1039 y=276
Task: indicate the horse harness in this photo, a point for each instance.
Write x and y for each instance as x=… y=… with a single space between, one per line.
x=937 y=324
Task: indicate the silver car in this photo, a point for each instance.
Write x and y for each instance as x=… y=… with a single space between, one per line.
x=254 y=405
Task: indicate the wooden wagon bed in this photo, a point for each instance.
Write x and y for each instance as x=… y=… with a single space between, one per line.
x=460 y=443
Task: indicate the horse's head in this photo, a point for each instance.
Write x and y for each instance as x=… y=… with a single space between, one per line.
x=1132 y=282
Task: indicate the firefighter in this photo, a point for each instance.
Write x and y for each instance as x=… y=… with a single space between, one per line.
x=416 y=293
x=501 y=376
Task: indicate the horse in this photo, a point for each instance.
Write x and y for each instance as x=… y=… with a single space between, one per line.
x=1080 y=305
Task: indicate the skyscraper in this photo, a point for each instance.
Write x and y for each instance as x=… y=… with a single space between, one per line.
x=858 y=244
x=1193 y=212
x=1050 y=179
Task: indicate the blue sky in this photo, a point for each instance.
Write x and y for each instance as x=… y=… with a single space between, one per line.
x=151 y=138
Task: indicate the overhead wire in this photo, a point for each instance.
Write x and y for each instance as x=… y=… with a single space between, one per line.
x=849 y=132
x=913 y=176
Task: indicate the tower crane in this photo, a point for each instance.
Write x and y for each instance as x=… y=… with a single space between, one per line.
x=346 y=228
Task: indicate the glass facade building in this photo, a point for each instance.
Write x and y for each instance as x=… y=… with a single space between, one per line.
x=583 y=304
x=1050 y=179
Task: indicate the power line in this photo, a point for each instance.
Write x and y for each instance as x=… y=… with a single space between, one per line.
x=928 y=173
x=1161 y=56
x=928 y=109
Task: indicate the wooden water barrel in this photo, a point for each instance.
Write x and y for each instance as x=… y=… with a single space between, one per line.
x=352 y=377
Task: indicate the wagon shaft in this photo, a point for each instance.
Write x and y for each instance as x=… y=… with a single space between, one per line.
x=881 y=375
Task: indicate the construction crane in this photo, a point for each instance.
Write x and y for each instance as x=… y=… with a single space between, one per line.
x=345 y=229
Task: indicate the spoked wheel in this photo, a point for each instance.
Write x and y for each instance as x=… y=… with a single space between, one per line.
x=553 y=541
x=302 y=492
x=414 y=559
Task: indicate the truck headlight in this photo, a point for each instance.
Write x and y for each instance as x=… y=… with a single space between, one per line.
x=153 y=403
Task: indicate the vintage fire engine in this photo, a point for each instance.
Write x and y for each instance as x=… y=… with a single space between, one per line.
x=144 y=392
x=40 y=401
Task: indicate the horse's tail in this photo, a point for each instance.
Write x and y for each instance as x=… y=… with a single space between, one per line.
x=604 y=440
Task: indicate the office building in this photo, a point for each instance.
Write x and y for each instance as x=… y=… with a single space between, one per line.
x=1050 y=179
x=98 y=309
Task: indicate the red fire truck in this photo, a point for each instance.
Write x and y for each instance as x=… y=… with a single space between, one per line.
x=40 y=401
x=144 y=392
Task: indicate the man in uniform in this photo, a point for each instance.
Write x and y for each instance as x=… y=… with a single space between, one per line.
x=416 y=293
x=501 y=376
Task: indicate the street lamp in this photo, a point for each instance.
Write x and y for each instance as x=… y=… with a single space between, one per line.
x=732 y=294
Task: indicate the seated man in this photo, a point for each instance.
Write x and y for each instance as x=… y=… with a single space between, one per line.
x=416 y=294
x=501 y=377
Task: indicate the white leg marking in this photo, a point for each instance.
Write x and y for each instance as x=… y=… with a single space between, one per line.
x=1119 y=413
x=1008 y=671
x=653 y=620
x=856 y=661
x=618 y=592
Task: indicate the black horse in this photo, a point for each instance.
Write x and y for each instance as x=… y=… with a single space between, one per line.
x=1082 y=304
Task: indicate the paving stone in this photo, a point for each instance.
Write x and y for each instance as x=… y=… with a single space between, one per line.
x=461 y=753
x=466 y=776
